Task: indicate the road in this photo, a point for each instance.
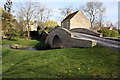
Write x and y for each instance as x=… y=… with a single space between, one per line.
x=100 y=40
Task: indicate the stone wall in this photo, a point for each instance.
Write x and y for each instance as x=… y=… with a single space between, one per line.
x=66 y=24
x=112 y=38
x=79 y=21
x=63 y=38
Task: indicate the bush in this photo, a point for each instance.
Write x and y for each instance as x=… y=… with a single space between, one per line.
x=109 y=33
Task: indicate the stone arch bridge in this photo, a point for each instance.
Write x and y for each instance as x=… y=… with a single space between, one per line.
x=64 y=38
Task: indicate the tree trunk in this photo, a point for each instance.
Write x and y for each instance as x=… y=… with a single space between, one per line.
x=28 y=35
x=92 y=20
x=91 y=24
x=100 y=24
x=28 y=32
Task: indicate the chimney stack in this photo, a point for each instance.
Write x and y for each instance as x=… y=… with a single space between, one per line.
x=68 y=12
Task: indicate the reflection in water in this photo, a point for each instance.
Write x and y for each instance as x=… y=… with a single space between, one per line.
x=31 y=48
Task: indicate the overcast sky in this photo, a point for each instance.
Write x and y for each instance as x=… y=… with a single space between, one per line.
x=110 y=5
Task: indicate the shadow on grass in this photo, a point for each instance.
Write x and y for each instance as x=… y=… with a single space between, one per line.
x=14 y=66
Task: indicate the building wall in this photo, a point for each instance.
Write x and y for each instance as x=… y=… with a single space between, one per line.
x=66 y=24
x=33 y=27
x=111 y=28
x=79 y=21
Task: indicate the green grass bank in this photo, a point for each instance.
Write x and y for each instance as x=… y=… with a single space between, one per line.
x=96 y=62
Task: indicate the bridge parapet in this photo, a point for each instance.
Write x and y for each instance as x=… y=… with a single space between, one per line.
x=86 y=31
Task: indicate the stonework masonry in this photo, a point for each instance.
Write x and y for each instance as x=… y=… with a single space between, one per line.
x=63 y=38
x=76 y=20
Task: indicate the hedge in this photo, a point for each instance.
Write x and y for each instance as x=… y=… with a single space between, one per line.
x=109 y=33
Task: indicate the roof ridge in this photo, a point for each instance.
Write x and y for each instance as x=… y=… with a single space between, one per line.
x=70 y=16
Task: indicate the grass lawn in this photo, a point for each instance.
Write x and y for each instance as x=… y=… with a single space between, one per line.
x=96 y=62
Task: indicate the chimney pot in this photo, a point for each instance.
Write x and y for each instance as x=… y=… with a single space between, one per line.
x=68 y=12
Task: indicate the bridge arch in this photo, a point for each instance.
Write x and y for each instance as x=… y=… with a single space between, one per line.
x=56 y=42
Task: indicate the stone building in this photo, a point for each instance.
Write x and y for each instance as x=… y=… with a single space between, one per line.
x=32 y=26
x=75 y=20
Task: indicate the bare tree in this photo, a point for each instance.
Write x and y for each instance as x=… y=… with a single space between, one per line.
x=107 y=23
x=27 y=10
x=32 y=11
x=43 y=15
x=93 y=9
x=100 y=16
x=116 y=24
x=66 y=10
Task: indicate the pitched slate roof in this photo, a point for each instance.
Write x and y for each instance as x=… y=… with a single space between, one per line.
x=70 y=16
x=106 y=28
